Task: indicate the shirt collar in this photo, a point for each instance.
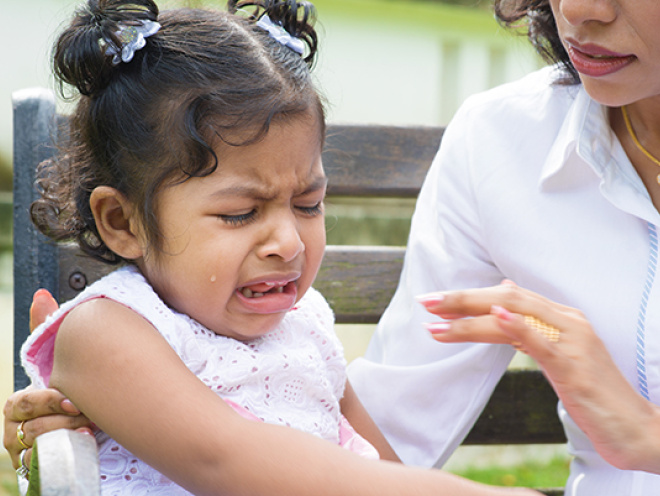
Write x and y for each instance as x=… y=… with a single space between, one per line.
x=585 y=133
x=586 y=145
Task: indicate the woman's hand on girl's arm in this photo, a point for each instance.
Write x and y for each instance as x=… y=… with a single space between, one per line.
x=622 y=425
x=38 y=411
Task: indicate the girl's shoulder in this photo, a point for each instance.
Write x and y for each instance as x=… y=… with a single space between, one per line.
x=125 y=286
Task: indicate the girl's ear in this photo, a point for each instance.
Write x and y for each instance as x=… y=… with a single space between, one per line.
x=115 y=221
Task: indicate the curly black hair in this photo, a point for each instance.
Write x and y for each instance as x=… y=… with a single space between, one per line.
x=205 y=75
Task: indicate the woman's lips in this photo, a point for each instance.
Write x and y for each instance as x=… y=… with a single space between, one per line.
x=595 y=61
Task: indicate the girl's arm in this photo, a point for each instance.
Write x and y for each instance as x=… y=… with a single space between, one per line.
x=125 y=377
x=361 y=421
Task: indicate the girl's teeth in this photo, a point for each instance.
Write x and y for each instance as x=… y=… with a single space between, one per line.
x=248 y=293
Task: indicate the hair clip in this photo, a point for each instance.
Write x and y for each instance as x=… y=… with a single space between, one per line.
x=132 y=39
x=280 y=34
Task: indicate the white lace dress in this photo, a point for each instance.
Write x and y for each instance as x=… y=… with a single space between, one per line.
x=292 y=376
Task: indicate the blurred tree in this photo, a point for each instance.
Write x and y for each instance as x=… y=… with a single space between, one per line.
x=5 y=173
x=478 y=4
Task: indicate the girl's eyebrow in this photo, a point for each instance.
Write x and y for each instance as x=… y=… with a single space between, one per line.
x=319 y=183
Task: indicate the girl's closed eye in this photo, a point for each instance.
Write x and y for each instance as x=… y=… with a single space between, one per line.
x=313 y=210
x=239 y=219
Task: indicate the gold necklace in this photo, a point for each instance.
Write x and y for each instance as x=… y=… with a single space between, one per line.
x=632 y=134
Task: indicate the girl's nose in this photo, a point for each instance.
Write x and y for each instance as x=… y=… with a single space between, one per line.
x=577 y=12
x=283 y=239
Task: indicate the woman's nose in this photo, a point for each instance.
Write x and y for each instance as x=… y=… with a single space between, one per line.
x=577 y=12
x=283 y=239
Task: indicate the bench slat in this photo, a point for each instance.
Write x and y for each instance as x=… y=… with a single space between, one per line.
x=357 y=281
x=388 y=161
x=522 y=410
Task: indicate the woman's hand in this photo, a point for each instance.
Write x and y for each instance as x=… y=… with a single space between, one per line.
x=622 y=425
x=38 y=411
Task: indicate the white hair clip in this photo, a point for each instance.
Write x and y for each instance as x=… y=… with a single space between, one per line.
x=132 y=39
x=280 y=34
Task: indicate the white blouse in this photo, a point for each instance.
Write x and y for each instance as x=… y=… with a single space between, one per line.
x=530 y=184
x=292 y=376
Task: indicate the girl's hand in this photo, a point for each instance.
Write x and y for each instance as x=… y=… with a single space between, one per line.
x=622 y=425
x=38 y=411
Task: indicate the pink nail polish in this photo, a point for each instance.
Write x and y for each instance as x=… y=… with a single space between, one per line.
x=431 y=299
x=437 y=327
x=501 y=312
x=69 y=407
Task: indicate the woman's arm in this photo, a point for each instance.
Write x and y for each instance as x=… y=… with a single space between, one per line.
x=623 y=426
x=127 y=379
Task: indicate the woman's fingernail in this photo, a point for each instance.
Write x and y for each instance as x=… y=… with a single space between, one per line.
x=69 y=407
x=501 y=312
x=430 y=299
x=437 y=327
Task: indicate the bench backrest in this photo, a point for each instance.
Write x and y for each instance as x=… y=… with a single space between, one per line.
x=363 y=161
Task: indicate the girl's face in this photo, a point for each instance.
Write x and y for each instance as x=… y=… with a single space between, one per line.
x=614 y=45
x=244 y=244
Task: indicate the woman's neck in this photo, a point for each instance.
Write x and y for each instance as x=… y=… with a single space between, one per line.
x=640 y=138
x=645 y=119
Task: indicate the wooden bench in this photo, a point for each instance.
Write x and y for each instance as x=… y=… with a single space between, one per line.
x=360 y=161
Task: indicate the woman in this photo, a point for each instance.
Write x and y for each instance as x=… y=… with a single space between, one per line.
x=542 y=182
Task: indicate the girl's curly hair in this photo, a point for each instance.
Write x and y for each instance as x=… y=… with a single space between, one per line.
x=205 y=75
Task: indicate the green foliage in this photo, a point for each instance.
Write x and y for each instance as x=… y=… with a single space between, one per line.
x=5 y=173
x=477 y=4
x=532 y=474
x=9 y=487
x=35 y=481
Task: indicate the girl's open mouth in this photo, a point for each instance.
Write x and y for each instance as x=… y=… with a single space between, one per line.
x=268 y=297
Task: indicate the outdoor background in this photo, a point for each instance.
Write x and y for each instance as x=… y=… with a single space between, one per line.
x=381 y=61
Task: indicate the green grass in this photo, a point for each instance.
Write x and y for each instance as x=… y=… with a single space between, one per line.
x=8 y=486
x=533 y=474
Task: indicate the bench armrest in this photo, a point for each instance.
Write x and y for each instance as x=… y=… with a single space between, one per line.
x=64 y=463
